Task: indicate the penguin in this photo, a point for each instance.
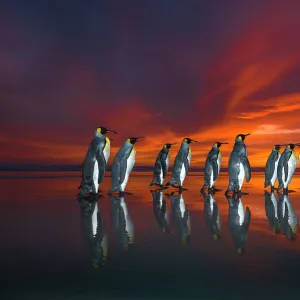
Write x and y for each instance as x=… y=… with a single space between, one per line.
x=212 y=215
x=121 y=222
x=212 y=167
x=238 y=223
x=288 y=219
x=286 y=167
x=123 y=164
x=94 y=231
x=271 y=167
x=181 y=216
x=161 y=165
x=181 y=164
x=94 y=164
x=238 y=165
x=160 y=210
x=271 y=206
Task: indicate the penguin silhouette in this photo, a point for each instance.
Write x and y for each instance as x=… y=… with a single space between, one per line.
x=288 y=220
x=238 y=222
x=121 y=221
x=271 y=206
x=94 y=231
x=94 y=164
x=161 y=165
x=160 y=210
x=181 y=216
x=212 y=215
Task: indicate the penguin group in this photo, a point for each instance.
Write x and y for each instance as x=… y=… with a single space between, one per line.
x=281 y=166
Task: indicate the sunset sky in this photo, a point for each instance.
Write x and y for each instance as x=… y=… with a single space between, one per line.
x=214 y=69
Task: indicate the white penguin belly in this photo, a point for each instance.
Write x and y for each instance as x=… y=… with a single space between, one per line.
x=95 y=220
x=168 y=161
x=161 y=176
x=274 y=177
x=292 y=219
x=241 y=176
x=130 y=164
x=241 y=212
x=211 y=204
x=182 y=207
x=96 y=176
x=291 y=169
x=128 y=222
x=275 y=204
x=182 y=174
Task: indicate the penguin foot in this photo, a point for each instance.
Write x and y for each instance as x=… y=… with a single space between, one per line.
x=217 y=190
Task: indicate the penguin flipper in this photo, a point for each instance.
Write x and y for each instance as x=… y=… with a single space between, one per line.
x=101 y=165
x=247 y=219
x=246 y=165
x=123 y=168
x=215 y=169
x=270 y=168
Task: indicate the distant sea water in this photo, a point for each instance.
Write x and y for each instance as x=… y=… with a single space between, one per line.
x=45 y=251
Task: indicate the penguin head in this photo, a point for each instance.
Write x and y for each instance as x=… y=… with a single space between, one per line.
x=241 y=137
x=291 y=146
x=133 y=140
x=189 y=140
x=104 y=130
x=277 y=147
x=168 y=146
x=218 y=144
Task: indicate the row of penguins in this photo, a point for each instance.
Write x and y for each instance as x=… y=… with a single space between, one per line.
x=280 y=214
x=279 y=166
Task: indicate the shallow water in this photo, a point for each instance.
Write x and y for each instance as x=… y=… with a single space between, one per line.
x=47 y=248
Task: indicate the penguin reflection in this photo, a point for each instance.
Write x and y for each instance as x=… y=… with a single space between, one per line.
x=181 y=216
x=288 y=220
x=212 y=215
x=93 y=230
x=271 y=206
x=238 y=222
x=121 y=221
x=160 y=210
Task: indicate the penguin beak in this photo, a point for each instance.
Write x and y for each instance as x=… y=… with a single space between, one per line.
x=194 y=141
x=224 y=143
x=140 y=137
x=246 y=134
x=112 y=131
x=174 y=144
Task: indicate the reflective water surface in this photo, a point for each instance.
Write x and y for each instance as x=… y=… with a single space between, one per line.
x=148 y=244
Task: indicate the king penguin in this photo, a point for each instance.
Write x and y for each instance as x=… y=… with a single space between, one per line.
x=121 y=222
x=181 y=164
x=161 y=165
x=123 y=164
x=271 y=206
x=288 y=219
x=286 y=167
x=94 y=165
x=238 y=165
x=212 y=167
x=238 y=223
x=271 y=167
x=212 y=215
x=160 y=210
x=94 y=231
